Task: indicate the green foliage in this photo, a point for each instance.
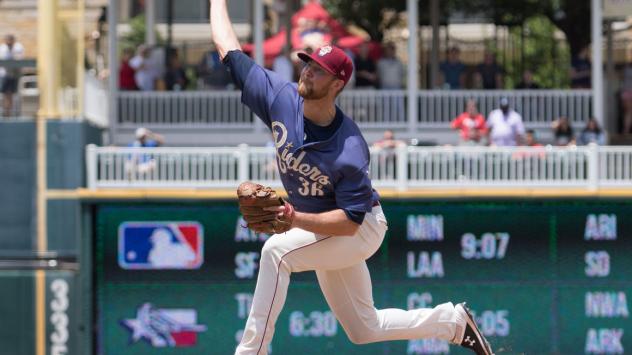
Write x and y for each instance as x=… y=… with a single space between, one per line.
x=136 y=36
x=572 y=17
x=546 y=57
x=367 y=15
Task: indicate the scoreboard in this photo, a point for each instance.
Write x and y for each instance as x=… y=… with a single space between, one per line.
x=549 y=276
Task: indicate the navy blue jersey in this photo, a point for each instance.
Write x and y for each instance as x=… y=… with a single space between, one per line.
x=319 y=175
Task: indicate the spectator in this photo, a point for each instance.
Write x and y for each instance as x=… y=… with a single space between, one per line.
x=505 y=125
x=385 y=148
x=212 y=73
x=146 y=71
x=283 y=66
x=563 y=132
x=388 y=141
x=9 y=50
x=527 y=81
x=390 y=74
x=126 y=72
x=453 y=70
x=175 y=77
x=530 y=140
x=366 y=72
x=489 y=73
x=472 y=125
x=581 y=70
x=145 y=138
x=142 y=163
x=592 y=133
x=626 y=99
x=390 y=70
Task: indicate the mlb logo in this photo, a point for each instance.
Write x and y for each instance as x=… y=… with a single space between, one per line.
x=160 y=245
x=162 y=327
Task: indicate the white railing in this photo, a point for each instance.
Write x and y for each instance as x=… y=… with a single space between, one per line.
x=375 y=107
x=406 y=167
x=183 y=108
x=438 y=108
x=499 y=167
x=615 y=166
x=370 y=108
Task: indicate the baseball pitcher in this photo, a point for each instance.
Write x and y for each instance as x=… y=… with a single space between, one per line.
x=332 y=221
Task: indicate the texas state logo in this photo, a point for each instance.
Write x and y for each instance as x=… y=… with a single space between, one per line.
x=324 y=51
x=162 y=327
x=160 y=245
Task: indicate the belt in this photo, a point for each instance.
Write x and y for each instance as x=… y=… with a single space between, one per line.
x=376 y=203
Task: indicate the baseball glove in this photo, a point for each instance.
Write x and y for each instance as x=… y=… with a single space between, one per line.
x=253 y=199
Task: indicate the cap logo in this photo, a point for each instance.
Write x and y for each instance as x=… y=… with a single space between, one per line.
x=324 y=51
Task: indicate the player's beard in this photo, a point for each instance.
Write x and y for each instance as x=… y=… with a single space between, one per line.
x=307 y=91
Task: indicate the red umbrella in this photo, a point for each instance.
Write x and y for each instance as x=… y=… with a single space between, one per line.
x=312 y=23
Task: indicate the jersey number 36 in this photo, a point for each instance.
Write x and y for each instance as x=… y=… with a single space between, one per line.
x=316 y=189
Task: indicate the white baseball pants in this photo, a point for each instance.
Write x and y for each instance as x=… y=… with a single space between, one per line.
x=344 y=279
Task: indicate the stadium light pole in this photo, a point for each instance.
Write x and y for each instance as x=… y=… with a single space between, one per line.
x=434 y=51
x=113 y=65
x=150 y=22
x=413 y=64
x=257 y=33
x=597 y=62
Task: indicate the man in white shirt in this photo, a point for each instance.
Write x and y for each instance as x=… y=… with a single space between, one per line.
x=9 y=50
x=146 y=71
x=505 y=126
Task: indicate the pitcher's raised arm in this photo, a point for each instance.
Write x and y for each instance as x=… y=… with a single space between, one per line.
x=222 y=31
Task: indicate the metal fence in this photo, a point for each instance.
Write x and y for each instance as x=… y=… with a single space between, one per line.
x=370 y=108
x=401 y=168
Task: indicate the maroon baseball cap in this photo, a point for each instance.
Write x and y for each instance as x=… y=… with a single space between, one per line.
x=333 y=59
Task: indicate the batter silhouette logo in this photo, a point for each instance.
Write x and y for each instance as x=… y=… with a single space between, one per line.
x=162 y=328
x=160 y=245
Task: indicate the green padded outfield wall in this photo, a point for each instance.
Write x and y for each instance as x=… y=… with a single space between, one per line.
x=65 y=331
x=66 y=169
x=66 y=141
x=17 y=187
x=543 y=276
x=68 y=297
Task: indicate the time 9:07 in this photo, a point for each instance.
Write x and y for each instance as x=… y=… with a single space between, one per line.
x=489 y=246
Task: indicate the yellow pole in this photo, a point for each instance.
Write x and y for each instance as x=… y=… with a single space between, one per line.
x=48 y=60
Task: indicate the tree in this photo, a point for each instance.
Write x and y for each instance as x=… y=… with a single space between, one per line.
x=572 y=17
x=367 y=15
x=136 y=36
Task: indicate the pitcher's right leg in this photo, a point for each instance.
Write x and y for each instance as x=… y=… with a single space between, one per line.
x=348 y=293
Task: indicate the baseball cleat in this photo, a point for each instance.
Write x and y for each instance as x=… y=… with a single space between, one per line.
x=473 y=339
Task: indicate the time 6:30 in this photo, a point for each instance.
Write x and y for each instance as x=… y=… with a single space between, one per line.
x=488 y=246
x=314 y=324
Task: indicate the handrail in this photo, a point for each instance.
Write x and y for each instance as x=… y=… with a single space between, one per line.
x=402 y=168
